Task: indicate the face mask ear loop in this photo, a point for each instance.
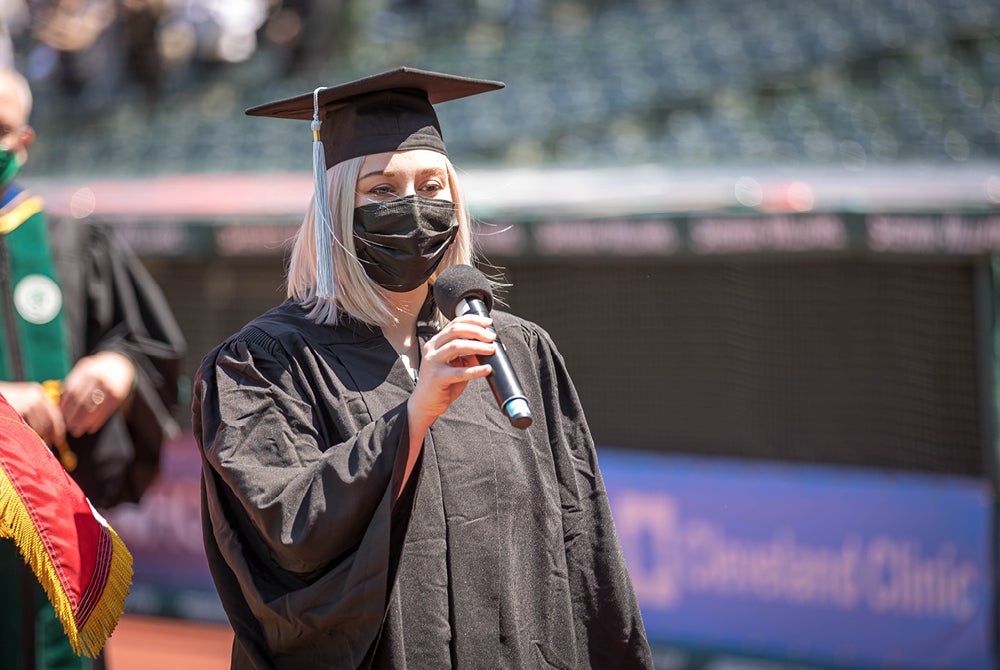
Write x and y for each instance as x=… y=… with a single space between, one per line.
x=323 y=228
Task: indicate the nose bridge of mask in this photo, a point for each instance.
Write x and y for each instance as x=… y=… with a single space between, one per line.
x=412 y=202
x=405 y=216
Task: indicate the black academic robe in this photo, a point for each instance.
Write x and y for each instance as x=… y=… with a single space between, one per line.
x=501 y=554
x=112 y=303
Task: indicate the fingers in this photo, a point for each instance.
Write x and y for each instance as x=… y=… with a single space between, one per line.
x=46 y=420
x=94 y=390
x=449 y=362
x=86 y=407
x=37 y=409
x=467 y=336
x=455 y=362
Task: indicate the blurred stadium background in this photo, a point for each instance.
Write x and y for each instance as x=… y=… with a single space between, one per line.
x=763 y=233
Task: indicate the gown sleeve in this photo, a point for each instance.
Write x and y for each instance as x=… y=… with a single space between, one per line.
x=308 y=500
x=296 y=491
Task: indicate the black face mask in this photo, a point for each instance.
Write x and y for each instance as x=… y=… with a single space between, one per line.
x=401 y=242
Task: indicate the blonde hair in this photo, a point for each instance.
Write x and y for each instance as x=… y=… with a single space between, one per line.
x=354 y=293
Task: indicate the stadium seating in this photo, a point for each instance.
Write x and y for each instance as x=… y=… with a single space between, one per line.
x=688 y=83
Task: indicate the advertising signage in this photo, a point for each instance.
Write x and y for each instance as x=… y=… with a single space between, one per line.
x=658 y=236
x=837 y=566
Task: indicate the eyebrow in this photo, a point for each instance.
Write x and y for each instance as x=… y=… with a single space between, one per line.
x=390 y=174
x=377 y=173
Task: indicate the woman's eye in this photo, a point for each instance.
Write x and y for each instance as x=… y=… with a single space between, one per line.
x=432 y=188
x=380 y=191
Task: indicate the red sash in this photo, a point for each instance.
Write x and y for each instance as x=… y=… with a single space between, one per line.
x=84 y=567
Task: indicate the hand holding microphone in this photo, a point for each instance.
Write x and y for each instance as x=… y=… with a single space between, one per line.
x=449 y=361
x=460 y=290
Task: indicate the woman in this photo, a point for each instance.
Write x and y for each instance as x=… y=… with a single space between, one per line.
x=366 y=505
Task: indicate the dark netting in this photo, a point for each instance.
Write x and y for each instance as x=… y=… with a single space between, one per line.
x=862 y=362
x=213 y=297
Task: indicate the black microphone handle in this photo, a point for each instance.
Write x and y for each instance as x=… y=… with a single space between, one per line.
x=503 y=380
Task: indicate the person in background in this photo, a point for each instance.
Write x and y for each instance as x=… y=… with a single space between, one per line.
x=365 y=503
x=90 y=357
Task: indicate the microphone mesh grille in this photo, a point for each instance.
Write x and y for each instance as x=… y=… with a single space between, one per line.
x=457 y=282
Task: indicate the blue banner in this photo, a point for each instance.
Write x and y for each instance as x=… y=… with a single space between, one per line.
x=817 y=564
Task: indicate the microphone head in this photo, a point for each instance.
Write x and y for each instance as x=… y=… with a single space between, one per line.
x=458 y=282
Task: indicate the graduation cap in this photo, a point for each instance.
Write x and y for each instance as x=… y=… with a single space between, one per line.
x=390 y=111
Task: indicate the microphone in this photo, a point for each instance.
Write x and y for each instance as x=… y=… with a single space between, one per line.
x=461 y=289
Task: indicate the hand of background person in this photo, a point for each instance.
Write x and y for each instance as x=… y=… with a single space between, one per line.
x=94 y=390
x=30 y=400
x=448 y=363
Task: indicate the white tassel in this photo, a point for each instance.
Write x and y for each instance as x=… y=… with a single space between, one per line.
x=324 y=229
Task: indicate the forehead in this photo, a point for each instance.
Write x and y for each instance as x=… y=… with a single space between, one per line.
x=414 y=160
x=11 y=103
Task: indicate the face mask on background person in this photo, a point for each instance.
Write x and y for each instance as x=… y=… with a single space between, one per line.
x=401 y=242
x=10 y=165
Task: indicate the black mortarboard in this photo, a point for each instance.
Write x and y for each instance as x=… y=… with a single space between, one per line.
x=390 y=111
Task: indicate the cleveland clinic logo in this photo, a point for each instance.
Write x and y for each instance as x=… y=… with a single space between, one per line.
x=672 y=557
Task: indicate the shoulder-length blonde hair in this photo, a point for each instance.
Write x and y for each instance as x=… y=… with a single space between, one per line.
x=354 y=293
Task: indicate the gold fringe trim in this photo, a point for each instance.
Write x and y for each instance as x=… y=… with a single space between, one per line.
x=109 y=609
x=16 y=523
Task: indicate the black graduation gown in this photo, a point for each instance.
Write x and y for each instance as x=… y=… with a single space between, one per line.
x=502 y=553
